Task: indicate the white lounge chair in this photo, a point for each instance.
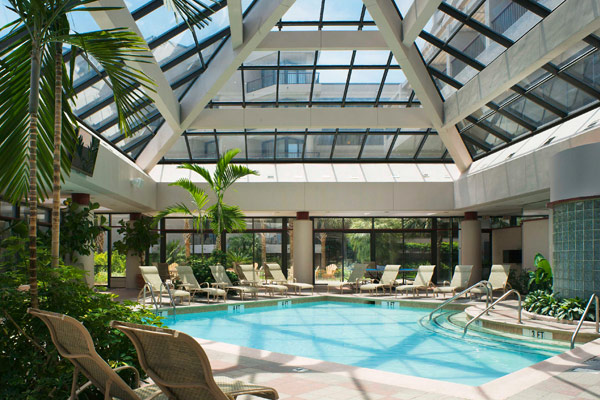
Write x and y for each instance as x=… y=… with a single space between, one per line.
x=357 y=276
x=250 y=276
x=222 y=281
x=460 y=281
x=388 y=280
x=157 y=287
x=422 y=281
x=190 y=283
x=498 y=280
x=279 y=278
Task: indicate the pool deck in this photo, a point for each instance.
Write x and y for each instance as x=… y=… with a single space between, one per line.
x=571 y=375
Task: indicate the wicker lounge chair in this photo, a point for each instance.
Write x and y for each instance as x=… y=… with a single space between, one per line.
x=357 y=276
x=251 y=277
x=422 y=281
x=183 y=371
x=278 y=278
x=190 y=283
x=157 y=287
x=388 y=280
x=460 y=280
x=73 y=342
x=498 y=279
x=222 y=281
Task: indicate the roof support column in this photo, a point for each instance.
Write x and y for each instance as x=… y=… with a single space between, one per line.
x=390 y=25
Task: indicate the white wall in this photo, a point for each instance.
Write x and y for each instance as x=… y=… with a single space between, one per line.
x=536 y=239
x=111 y=186
x=324 y=197
x=505 y=239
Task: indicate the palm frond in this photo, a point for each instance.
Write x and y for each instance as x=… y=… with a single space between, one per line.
x=203 y=172
x=15 y=66
x=178 y=208
x=113 y=49
x=194 y=12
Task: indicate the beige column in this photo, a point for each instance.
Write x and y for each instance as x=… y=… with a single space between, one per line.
x=83 y=262
x=132 y=262
x=303 y=248
x=470 y=244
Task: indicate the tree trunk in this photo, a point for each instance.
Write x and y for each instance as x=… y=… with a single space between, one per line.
x=187 y=239
x=323 y=237
x=34 y=92
x=56 y=161
x=263 y=250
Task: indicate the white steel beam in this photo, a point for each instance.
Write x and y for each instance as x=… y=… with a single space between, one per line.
x=257 y=24
x=164 y=97
x=323 y=40
x=390 y=25
x=236 y=27
x=416 y=18
x=312 y=118
x=567 y=25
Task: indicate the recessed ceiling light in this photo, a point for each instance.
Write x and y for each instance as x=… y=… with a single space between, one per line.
x=270 y=177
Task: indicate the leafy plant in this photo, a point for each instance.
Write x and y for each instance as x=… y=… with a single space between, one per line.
x=138 y=236
x=79 y=229
x=571 y=309
x=29 y=363
x=519 y=280
x=541 y=302
x=200 y=266
x=175 y=252
x=541 y=278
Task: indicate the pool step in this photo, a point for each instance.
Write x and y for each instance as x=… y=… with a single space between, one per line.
x=451 y=324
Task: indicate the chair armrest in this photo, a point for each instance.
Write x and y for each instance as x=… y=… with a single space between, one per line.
x=205 y=283
x=135 y=373
x=446 y=283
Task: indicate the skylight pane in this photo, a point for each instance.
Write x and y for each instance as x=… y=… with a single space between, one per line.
x=318 y=146
x=371 y=57
x=203 y=147
x=377 y=146
x=289 y=146
x=261 y=85
x=364 y=85
x=261 y=146
x=303 y=10
x=347 y=145
x=294 y=85
x=406 y=146
x=433 y=148
x=230 y=141
x=342 y=10
x=174 y=47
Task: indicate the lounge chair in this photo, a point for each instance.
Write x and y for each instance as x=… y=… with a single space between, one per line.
x=460 y=281
x=251 y=277
x=388 y=280
x=354 y=280
x=222 y=281
x=190 y=283
x=278 y=278
x=179 y=366
x=157 y=287
x=498 y=279
x=73 y=342
x=422 y=281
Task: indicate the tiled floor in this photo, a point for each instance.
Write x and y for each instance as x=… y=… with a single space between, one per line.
x=573 y=375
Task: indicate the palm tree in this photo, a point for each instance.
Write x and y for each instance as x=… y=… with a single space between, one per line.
x=31 y=64
x=223 y=217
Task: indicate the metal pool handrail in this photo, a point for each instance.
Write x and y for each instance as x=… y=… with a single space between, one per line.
x=587 y=309
x=487 y=285
x=505 y=295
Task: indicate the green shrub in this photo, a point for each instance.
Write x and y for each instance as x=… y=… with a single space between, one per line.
x=519 y=280
x=200 y=265
x=546 y=303
x=29 y=364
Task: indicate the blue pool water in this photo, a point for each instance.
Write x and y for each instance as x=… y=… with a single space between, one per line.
x=397 y=340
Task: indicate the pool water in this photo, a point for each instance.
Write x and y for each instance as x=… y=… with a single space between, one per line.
x=399 y=340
